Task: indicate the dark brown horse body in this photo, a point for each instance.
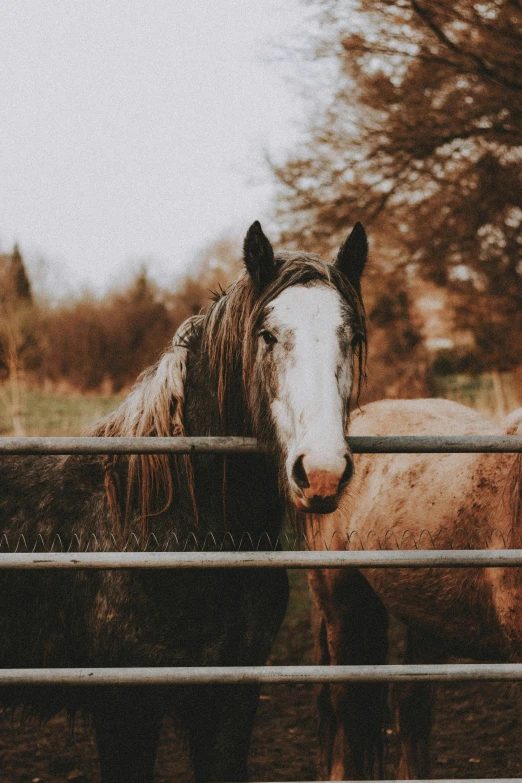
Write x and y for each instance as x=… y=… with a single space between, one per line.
x=221 y=376
x=410 y=501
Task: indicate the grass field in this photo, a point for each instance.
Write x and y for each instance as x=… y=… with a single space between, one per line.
x=46 y=413
x=494 y=394
x=53 y=413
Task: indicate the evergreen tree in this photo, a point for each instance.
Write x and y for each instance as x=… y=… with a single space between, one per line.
x=17 y=330
x=20 y=281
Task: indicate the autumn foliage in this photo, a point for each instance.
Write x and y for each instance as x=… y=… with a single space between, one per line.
x=421 y=139
x=419 y=136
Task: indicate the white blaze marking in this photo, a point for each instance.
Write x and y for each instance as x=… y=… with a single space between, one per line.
x=314 y=380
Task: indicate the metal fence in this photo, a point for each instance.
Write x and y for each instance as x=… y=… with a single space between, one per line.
x=466 y=558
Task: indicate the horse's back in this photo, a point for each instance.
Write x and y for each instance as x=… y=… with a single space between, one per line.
x=512 y=424
x=426 y=501
x=420 y=417
x=421 y=499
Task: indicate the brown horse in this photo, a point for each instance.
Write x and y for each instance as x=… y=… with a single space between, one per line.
x=411 y=501
x=273 y=358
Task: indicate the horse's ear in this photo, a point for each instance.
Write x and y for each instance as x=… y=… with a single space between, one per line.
x=258 y=256
x=353 y=255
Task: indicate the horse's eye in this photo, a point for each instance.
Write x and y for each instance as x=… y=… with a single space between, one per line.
x=268 y=337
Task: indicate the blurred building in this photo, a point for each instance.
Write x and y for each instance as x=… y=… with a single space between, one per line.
x=433 y=313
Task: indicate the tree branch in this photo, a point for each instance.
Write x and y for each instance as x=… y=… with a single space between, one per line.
x=423 y=14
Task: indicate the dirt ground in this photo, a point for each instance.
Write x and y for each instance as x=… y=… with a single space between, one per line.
x=476 y=732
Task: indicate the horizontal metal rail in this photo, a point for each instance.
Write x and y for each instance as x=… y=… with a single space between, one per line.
x=247 y=675
x=390 y=444
x=415 y=558
x=95 y=445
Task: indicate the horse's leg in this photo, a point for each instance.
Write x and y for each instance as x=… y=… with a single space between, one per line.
x=353 y=714
x=219 y=721
x=327 y=719
x=414 y=709
x=127 y=732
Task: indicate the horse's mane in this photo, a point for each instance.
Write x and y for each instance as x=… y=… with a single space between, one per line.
x=154 y=407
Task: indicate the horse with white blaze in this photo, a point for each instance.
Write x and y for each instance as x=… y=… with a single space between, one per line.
x=273 y=358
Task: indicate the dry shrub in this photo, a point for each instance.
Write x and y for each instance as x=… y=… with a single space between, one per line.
x=91 y=344
x=103 y=344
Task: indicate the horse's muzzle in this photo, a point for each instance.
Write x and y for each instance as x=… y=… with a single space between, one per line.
x=319 y=490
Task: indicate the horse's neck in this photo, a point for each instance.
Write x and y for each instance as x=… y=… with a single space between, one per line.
x=238 y=493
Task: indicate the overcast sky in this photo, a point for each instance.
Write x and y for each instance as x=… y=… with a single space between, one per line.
x=134 y=129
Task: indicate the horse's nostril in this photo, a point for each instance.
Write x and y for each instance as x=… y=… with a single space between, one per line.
x=348 y=471
x=299 y=473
